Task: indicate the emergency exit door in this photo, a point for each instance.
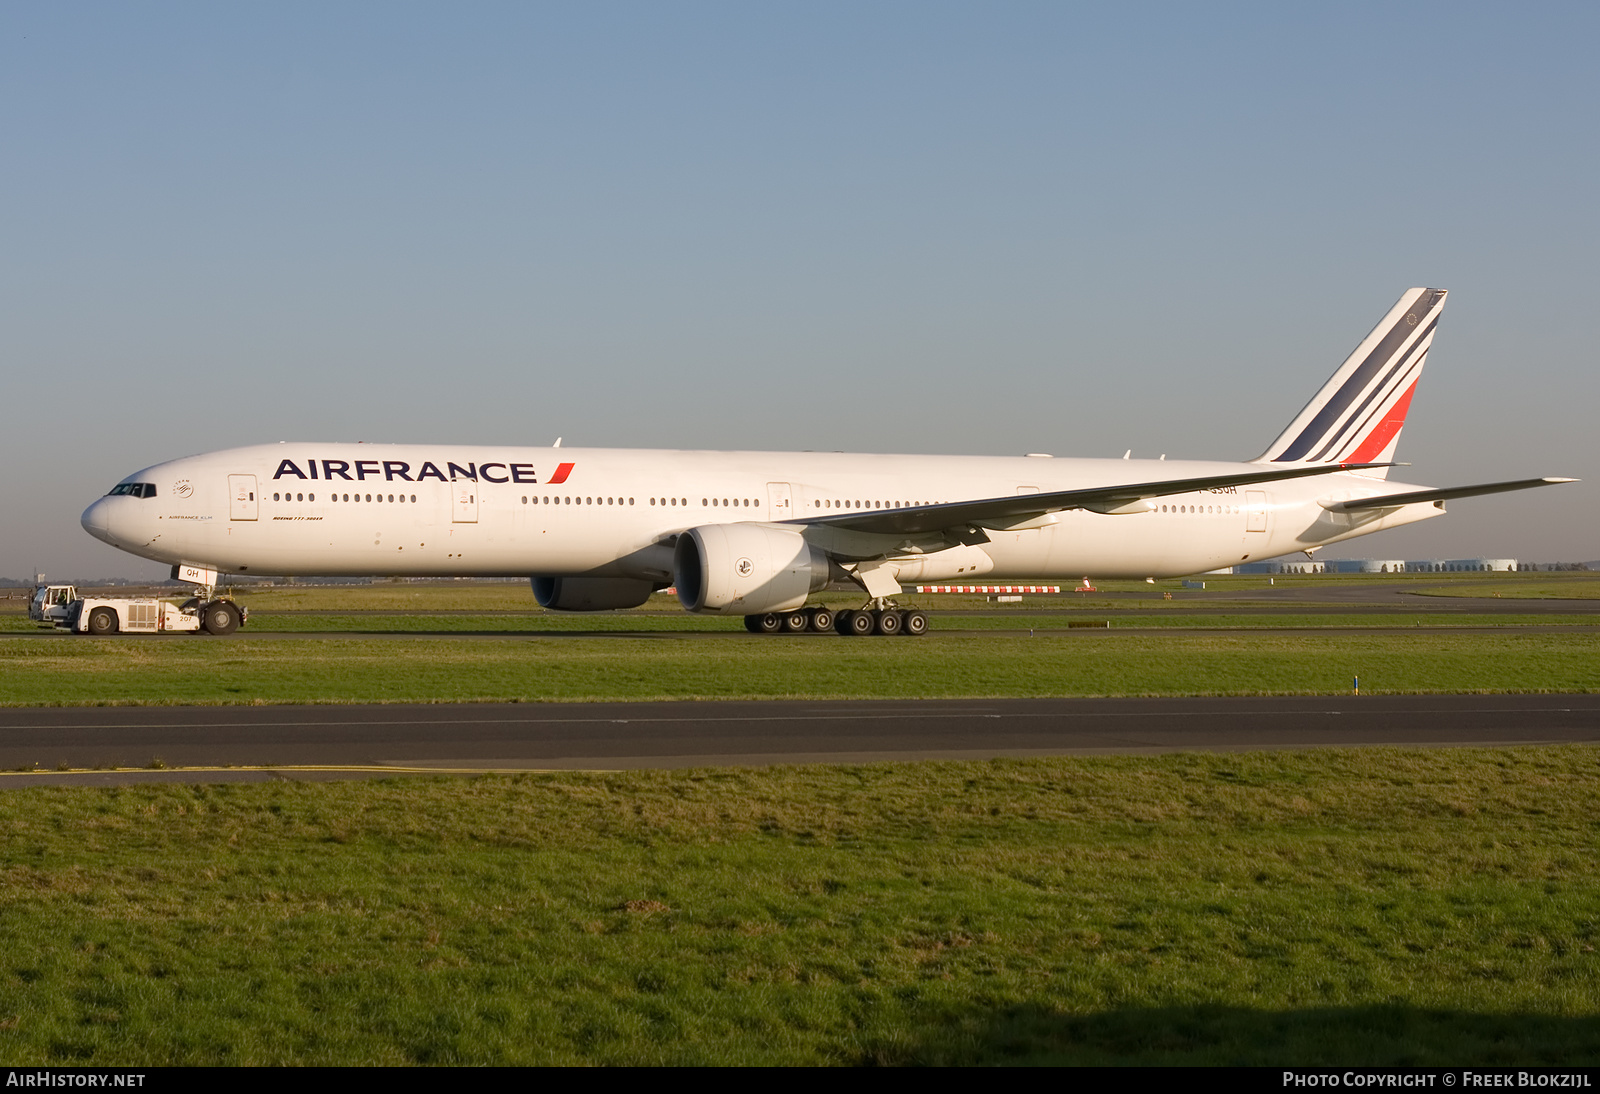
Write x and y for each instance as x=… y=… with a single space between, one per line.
x=465 y=496
x=242 y=503
x=780 y=501
x=1255 y=508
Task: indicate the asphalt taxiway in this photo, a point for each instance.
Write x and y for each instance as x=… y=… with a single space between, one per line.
x=209 y=744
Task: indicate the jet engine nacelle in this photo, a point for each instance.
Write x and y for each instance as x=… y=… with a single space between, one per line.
x=590 y=594
x=746 y=569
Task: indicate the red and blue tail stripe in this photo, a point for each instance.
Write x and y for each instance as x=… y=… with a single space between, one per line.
x=1358 y=414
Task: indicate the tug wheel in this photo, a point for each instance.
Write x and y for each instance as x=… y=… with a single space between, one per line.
x=220 y=618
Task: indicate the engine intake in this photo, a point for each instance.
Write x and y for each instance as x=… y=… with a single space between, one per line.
x=746 y=569
x=590 y=594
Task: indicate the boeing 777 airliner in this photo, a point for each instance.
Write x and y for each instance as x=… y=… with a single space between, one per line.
x=755 y=533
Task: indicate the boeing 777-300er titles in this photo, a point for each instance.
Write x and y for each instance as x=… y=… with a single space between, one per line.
x=755 y=533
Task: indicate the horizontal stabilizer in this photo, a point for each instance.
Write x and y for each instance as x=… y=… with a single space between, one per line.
x=1394 y=501
x=934 y=518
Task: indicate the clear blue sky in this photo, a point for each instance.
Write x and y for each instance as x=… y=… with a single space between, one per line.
x=987 y=228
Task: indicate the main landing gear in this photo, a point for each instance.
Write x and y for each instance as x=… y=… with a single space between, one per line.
x=884 y=619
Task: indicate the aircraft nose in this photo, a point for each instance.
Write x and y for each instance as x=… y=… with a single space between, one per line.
x=96 y=521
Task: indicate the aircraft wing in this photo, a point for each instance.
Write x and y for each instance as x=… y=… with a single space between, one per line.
x=1008 y=511
x=1392 y=501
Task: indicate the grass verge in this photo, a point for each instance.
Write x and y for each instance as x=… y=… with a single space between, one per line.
x=1379 y=906
x=1575 y=587
x=79 y=671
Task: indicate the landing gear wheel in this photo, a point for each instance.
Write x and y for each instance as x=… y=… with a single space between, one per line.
x=855 y=624
x=795 y=622
x=915 y=624
x=752 y=623
x=821 y=619
x=220 y=618
x=888 y=621
x=102 y=621
x=766 y=623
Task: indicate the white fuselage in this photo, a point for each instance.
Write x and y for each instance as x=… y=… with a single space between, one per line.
x=436 y=510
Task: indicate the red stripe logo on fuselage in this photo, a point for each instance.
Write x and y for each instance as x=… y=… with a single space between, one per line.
x=562 y=471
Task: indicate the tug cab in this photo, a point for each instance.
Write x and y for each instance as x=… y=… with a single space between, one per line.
x=50 y=603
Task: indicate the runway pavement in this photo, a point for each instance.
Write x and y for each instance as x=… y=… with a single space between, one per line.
x=206 y=744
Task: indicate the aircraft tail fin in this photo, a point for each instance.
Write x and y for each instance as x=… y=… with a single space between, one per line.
x=1358 y=414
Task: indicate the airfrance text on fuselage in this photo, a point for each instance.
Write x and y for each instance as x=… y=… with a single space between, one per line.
x=390 y=470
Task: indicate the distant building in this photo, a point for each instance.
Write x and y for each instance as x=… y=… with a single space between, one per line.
x=1460 y=565
x=1381 y=566
x=1280 y=566
x=1366 y=566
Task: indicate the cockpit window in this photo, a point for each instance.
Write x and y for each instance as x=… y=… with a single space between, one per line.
x=134 y=489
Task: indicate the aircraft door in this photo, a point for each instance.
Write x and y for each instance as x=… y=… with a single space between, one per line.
x=780 y=501
x=1255 y=507
x=242 y=503
x=465 y=502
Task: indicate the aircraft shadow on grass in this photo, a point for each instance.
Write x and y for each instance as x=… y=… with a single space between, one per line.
x=1387 y=1035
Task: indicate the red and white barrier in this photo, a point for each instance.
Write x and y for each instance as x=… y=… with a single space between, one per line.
x=988 y=588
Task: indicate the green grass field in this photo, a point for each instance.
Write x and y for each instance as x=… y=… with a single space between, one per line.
x=1381 y=906
x=479 y=596
x=56 y=670
x=999 y=617
x=1529 y=587
x=476 y=641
